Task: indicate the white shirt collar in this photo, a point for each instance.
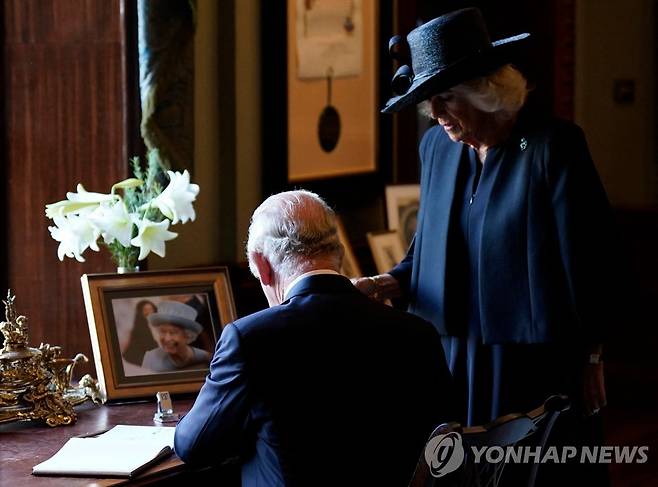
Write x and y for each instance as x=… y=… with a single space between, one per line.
x=306 y=274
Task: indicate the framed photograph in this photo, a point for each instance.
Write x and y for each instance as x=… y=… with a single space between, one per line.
x=350 y=267
x=386 y=248
x=402 y=202
x=154 y=331
x=332 y=80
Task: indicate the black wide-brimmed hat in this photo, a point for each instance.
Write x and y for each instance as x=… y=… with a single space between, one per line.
x=445 y=52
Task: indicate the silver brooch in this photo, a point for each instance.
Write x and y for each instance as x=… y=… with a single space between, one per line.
x=523 y=144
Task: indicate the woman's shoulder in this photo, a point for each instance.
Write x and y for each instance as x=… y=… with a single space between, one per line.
x=200 y=354
x=152 y=357
x=550 y=129
x=433 y=138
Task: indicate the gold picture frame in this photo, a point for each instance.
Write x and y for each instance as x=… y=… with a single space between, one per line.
x=352 y=97
x=125 y=314
x=350 y=266
x=387 y=250
x=402 y=205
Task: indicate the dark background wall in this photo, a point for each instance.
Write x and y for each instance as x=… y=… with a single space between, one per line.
x=69 y=114
x=64 y=121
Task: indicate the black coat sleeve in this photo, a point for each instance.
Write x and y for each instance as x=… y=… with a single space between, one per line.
x=402 y=271
x=587 y=239
x=216 y=427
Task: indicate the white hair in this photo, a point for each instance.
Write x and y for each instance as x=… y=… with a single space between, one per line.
x=502 y=92
x=291 y=229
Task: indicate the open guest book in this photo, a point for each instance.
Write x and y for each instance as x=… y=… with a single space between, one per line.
x=123 y=451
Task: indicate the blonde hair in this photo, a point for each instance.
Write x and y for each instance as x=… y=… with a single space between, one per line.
x=502 y=92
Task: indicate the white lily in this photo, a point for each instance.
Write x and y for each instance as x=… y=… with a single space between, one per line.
x=126 y=184
x=175 y=202
x=65 y=207
x=77 y=201
x=84 y=196
x=75 y=234
x=151 y=237
x=114 y=222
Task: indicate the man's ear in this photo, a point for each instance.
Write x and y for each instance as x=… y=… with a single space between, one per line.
x=265 y=272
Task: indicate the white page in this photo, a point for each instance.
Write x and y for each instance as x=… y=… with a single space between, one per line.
x=161 y=434
x=118 y=452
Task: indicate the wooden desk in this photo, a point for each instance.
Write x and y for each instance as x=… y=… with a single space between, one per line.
x=23 y=445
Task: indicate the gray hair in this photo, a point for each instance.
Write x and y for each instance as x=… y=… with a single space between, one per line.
x=502 y=92
x=291 y=229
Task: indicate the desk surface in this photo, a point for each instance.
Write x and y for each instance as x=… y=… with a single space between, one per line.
x=23 y=445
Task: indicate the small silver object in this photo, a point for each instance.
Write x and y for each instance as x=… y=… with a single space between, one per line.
x=165 y=410
x=523 y=144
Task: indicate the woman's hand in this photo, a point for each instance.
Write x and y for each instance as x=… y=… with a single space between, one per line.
x=593 y=388
x=380 y=287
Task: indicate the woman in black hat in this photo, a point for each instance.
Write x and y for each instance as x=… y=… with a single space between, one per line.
x=512 y=258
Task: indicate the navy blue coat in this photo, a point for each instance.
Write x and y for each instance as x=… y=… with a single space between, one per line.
x=547 y=262
x=329 y=388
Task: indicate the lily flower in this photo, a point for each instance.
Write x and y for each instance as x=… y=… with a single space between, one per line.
x=126 y=184
x=84 y=196
x=175 y=202
x=65 y=207
x=75 y=202
x=151 y=237
x=75 y=234
x=114 y=222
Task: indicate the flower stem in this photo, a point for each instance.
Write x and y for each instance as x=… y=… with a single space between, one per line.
x=123 y=256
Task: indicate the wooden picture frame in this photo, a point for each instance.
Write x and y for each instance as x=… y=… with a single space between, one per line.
x=168 y=320
x=350 y=267
x=352 y=97
x=402 y=203
x=387 y=250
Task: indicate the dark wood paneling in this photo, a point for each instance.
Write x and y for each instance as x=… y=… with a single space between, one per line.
x=64 y=116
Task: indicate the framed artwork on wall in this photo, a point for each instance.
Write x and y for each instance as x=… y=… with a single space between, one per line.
x=402 y=203
x=387 y=250
x=332 y=79
x=154 y=331
x=350 y=267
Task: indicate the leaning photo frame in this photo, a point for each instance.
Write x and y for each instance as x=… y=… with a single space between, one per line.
x=402 y=203
x=350 y=266
x=154 y=331
x=386 y=248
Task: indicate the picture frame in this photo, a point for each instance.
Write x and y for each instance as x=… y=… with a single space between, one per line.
x=156 y=330
x=350 y=267
x=387 y=250
x=402 y=204
x=332 y=125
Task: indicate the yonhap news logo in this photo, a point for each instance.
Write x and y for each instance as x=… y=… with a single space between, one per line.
x=445 y=453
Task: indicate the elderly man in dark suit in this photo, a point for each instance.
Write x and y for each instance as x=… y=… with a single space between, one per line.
x=326 y=387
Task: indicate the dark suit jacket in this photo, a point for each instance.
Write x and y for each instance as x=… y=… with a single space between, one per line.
x=547 y=256
x=329 y=388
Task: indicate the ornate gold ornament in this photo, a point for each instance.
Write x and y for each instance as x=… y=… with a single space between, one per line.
x=35 y=383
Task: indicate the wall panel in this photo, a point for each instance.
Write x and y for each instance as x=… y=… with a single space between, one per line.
x=64 y=123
